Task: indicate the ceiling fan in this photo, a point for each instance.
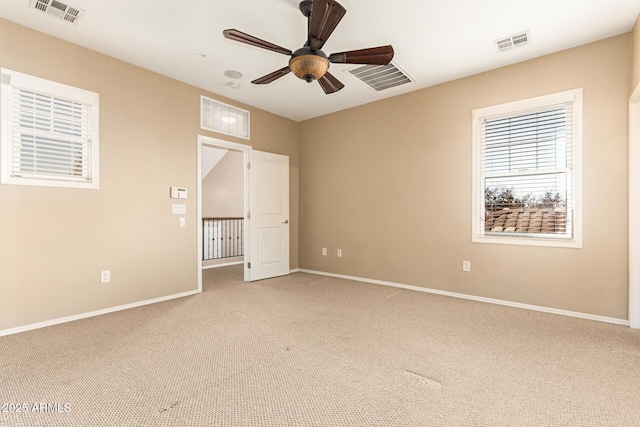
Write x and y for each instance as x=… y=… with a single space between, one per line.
x=310 y=63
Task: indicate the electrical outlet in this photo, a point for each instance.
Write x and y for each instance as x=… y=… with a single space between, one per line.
x=339 y=252
x=324 y=251
x=105 y=276
x=466 y=265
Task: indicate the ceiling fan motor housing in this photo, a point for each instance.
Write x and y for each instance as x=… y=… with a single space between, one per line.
x=309 y=64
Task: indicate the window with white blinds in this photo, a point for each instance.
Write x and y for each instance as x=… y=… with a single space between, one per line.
x=527 y=171
x=49 y=133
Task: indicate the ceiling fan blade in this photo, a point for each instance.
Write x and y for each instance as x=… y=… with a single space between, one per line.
x=381 y=55
x=269 y=78
x=241 y=37
x=325 y=16
x=329 y=83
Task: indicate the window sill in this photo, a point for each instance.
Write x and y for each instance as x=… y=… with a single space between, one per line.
x=50 y=183
x=523 y=241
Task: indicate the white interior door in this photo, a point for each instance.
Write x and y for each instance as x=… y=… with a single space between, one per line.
x=269 y=221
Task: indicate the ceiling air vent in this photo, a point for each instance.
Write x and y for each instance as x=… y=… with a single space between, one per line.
x=58 y=10
x=511 y=42
x=381 y=77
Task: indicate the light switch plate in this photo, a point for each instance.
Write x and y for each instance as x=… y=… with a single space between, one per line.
x=178 y=209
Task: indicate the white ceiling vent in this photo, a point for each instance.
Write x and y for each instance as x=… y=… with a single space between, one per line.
x=381 y=77
x=511 y=42
x=58 y=10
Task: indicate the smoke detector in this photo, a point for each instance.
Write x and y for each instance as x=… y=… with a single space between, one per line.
x=58 y=10
x=511 y=42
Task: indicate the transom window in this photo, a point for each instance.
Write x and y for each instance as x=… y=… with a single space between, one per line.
x=49 y=133
x=527 y=171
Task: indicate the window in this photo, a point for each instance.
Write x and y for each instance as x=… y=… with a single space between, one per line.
x=527 y=172
x=49 y=133
x=223 y=118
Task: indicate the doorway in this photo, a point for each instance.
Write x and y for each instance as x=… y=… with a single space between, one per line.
x=217 y=148
x=222 y=207
x=265 y=207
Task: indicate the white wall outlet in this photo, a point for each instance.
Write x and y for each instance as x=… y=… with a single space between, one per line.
x=324 y=251
x=339 y=252
x=105 y=276
x=466 y=265
x=183 y=221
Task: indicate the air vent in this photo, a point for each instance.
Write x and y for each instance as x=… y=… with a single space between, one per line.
x=381 y=77
x=511 y=42
x=58 y=10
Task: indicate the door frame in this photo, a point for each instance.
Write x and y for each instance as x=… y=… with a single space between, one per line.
x=634 y=208
x=207 y=141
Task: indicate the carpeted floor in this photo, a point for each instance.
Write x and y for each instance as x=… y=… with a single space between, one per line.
x=305 y=350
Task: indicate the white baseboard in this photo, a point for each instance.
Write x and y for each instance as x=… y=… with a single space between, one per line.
x=476 y=298
x=44 y=324
x=205 y=267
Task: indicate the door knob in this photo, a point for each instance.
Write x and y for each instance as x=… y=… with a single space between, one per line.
x=286 y=221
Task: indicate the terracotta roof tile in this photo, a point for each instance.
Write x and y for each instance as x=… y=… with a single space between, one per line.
x=526 y=220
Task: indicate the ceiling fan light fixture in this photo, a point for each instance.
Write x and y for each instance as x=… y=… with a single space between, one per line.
x=309 y=65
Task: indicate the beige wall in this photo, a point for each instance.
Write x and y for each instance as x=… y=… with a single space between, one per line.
x=635 y=55
x=56 y=241
x=392 y=190
x=223 y=189
x=389 y=183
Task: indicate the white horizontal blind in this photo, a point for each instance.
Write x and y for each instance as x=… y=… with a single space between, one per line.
x=526 y=165
x=51 y=138
x=223 y=118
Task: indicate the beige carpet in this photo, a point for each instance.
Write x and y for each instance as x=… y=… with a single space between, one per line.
x=306 y=350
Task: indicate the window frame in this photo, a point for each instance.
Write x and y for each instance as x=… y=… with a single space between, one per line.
x=226 y=128
x=11 y=81
x=575 y=96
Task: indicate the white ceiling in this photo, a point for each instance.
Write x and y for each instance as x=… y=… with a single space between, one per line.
x=434 y=41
